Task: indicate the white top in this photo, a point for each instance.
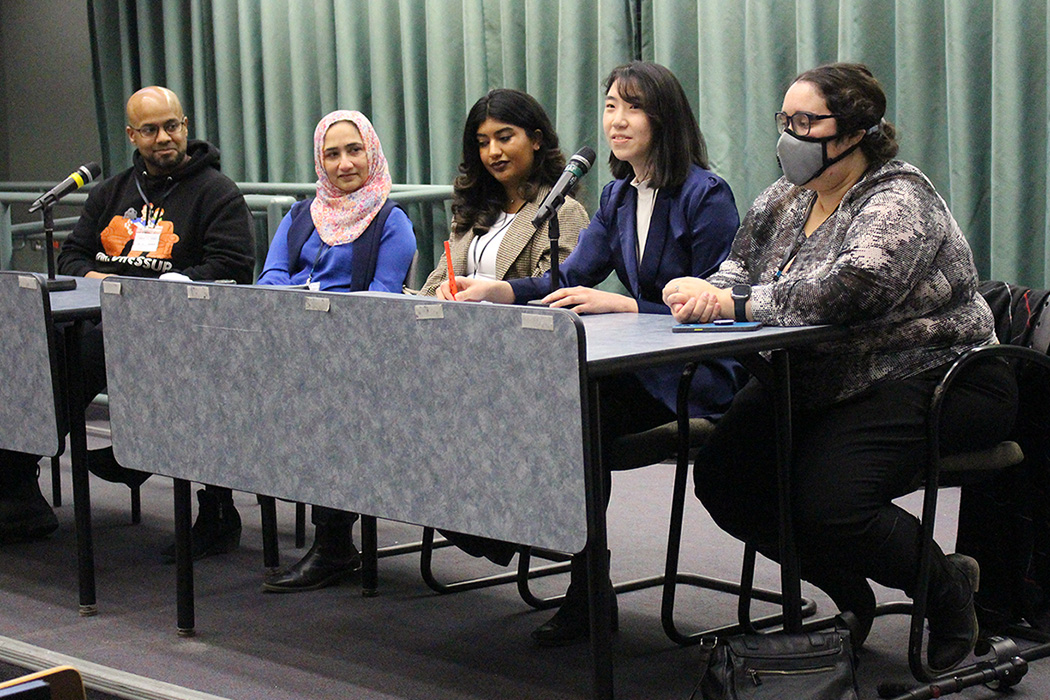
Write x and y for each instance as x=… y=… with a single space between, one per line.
x=481 y=255
x=644 y=214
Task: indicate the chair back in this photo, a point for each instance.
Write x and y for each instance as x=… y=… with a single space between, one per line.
x=1021 y=316
x=58 y=683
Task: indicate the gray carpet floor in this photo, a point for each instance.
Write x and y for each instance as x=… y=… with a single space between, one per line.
x=408 y=642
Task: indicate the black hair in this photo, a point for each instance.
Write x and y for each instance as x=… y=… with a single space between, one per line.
x=856 y=97
x=478 y=198
x=676 y=139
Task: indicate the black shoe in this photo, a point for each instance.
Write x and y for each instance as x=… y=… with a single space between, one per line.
x=950 y=612
x=318 y=569
x=571 y=624
x=104 y=465
x=217 y=529
x=24 y=514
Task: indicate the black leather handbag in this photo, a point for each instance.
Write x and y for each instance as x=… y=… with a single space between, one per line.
x=802 y=666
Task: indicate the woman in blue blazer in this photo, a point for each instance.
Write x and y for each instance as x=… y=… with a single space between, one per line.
x=665 y=214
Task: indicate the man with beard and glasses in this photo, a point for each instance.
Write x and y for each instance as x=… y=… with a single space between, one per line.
x=171 y=214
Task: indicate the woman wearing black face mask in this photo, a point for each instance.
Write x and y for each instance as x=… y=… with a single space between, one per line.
x=851 y=237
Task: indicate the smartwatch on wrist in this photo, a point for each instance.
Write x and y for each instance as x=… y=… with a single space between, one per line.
x=740 y=293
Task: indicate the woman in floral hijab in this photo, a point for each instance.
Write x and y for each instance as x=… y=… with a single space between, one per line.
x=349 y=237
x=349 y=217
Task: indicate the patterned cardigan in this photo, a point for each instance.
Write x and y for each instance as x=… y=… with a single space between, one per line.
x=524 y=251
x=890 y=263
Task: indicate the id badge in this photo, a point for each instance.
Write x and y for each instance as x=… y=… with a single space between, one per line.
x=147 y=239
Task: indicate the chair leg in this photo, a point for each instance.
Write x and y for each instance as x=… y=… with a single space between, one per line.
x=521 y=576
x=526 y=573
x=56 y=482
x=425 y=547
x=919 y=669
x=747 y=587
x=744 y=590
x=369 y=556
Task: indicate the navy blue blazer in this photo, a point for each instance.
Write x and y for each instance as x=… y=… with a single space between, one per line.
x=690 y=233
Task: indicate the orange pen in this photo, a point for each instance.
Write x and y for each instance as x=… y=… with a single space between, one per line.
x=451 y=274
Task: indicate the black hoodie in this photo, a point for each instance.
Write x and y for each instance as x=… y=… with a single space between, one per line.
x=204 y=226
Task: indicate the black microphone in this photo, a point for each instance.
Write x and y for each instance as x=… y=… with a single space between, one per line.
x=576 y=168
x=77 y=179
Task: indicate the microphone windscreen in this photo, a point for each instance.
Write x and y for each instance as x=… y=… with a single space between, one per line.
x=587 y=154
x=93 y=170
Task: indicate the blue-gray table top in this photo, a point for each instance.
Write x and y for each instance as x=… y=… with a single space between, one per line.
x=621 y=342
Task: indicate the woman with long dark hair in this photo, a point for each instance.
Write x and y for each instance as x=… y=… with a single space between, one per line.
x=511 y=159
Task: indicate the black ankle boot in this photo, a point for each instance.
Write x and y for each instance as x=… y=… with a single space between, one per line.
x=24 y=514
x=851 y=593
x=217 y=529
x=332 y=558
x=104 y=465
x=572 y=622
x=950 y=611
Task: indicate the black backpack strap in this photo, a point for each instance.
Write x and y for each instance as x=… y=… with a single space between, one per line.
x=299 y=231
x=366 y=249
x=1040 y=335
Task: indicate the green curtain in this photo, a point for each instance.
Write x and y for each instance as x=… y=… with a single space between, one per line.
x=966 y=80
x=255 y=76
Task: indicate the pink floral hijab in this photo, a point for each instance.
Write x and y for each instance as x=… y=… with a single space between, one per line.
x=340 y=217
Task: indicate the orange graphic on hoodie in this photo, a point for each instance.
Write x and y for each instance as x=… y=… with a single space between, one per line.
x=118 y=237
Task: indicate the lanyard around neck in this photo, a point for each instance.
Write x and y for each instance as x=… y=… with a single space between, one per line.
x=145 y=199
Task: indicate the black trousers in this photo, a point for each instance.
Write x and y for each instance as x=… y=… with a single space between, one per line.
x=851 y=459
x=625 y=407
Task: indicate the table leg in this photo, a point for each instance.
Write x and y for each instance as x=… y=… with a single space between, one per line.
x=597 y=547
x=78 y=457
x=183 y=559
x=789 y=569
